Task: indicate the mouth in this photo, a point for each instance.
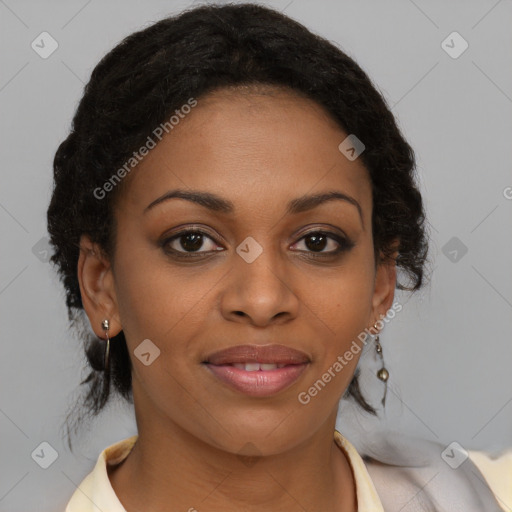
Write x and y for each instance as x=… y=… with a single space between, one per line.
x=257 y=370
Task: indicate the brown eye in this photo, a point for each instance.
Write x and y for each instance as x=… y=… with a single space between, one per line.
x=316 y=242
x=324 y=243
x=189 y=242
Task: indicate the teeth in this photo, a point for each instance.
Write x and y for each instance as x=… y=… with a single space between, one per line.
x=253 y=367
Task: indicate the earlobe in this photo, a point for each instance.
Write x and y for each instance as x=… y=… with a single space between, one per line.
x=96 y=283
x=384 y=289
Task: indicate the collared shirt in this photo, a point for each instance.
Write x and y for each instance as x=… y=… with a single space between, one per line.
x=95 y=493
x=498 y=473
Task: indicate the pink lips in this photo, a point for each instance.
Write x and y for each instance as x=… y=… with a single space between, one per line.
x=279 y=367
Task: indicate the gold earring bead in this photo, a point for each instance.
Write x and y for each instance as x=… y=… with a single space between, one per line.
x=383 y=374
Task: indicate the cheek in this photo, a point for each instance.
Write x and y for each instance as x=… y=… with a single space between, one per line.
x=345 y=316
x=344 y=301
x=152 y=304
x=159 y=301
x=145 y=293
x=344 y=308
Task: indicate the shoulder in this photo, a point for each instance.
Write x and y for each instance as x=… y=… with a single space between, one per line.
x=497 y=470
x=418 y=475
x=95 y=491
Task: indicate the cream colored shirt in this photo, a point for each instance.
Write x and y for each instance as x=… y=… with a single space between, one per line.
x=95 y=493
x=498 y=473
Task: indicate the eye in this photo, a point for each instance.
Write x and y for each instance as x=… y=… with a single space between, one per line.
x=190 y=242
x=324 y=243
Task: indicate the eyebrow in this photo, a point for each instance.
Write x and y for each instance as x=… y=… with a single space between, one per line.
x=220 y=205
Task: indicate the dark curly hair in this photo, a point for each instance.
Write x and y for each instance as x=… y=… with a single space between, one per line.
x=153 y=72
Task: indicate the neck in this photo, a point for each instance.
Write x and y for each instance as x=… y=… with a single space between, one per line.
x=171 y=466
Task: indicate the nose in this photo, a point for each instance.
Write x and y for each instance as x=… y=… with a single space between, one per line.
x=260 y=293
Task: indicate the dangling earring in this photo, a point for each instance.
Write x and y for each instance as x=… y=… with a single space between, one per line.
x=106 y=325
x=382 y=374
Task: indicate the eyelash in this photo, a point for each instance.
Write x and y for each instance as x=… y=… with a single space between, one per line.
x=344 y=244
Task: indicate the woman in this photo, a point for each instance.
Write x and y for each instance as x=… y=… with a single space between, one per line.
x=229 y=210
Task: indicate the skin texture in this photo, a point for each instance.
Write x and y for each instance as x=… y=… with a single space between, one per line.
x=259 y=149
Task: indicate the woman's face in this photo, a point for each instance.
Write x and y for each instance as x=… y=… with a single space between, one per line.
x=268 y=267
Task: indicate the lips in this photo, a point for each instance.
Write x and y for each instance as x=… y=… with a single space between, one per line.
x=262 y=354
x=255 y=370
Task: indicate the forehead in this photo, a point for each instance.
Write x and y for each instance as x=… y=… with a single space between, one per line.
x=244 y=141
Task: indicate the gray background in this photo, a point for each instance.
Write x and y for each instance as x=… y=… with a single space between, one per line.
x=448 y=351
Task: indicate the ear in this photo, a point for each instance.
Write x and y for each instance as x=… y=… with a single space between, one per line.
x=385 y=283
x=97 y=288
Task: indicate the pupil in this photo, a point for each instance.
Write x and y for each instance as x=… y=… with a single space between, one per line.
x=192 y=241
x=318 y=242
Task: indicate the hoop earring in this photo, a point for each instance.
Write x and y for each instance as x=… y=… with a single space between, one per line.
x=105 y=324
x=382 y=374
